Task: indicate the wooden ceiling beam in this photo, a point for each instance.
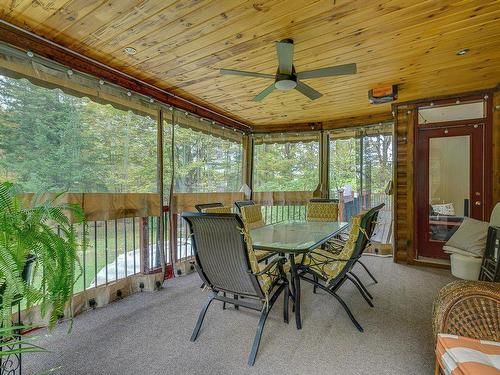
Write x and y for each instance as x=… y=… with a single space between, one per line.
x=25 y=40
x=346 y=122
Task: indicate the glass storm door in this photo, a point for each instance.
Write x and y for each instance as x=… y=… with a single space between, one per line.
x=450 y=171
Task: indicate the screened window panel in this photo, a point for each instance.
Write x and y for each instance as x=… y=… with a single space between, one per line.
x=360 y=168
x=53 y=141
x=286 y=164
x=205 y=163
x=344 y=167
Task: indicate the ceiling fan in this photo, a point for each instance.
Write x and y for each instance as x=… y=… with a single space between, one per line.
x=287 y=79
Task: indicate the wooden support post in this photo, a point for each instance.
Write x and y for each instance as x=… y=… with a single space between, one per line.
x=341 y=205
x=144 y=245
x=247 y=161
x=160 y=188
x=324 y=157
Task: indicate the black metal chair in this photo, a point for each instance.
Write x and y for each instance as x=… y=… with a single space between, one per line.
x=240 y=204
x=226 y=263
x=337 y=244
x=201 y=207
x=371 y=231
x=323 y=200
x=334 y=271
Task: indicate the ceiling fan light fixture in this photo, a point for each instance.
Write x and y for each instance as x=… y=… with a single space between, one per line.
x=285 y=84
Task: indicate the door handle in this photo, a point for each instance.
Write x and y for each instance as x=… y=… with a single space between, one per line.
x=477 y=203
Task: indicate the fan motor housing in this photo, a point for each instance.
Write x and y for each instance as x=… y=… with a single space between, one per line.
x=285 y=82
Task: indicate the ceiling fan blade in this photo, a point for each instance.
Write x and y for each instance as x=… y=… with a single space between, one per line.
x=284 y=50
x=248 y=74
x=338 y=70
x=264 y=93
x=308 y=91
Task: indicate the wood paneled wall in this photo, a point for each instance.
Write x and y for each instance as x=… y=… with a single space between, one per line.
x=403 y=182
x=496 y=147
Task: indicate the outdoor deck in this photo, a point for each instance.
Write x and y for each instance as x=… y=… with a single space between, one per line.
x=148 y=333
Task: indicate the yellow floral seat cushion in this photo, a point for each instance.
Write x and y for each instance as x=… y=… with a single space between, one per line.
x=217 y=210
x=322 y=211
x=252 y=216
x=267 y=279
x=329 y=266
x=261 y=254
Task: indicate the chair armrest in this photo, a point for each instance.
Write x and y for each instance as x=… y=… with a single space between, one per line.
x=468 y=308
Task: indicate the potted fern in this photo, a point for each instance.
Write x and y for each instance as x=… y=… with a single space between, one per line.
x=38 y=254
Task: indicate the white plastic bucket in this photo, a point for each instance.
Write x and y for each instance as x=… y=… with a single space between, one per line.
x=465 y=267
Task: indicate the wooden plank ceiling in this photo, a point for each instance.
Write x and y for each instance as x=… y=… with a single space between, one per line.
x=182 y=44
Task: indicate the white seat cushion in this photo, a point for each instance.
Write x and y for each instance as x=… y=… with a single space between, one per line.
x=470 y=237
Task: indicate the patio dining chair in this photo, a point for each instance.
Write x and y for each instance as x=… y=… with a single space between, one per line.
x=336 y=245
x=324 y=200
x=240 y=204
x=329 y=273
x=324 y=210
x=251 y=214
x=227 y=264
x=217 y=210
x=204 y=206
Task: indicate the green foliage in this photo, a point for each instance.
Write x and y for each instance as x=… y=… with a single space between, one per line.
x=43 y=231
x=204 y=163
x=52 y=141
x=346 y=160
x=286 y=166
x=20 y=346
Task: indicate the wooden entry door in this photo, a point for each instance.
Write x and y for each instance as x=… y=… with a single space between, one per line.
x=449 y=183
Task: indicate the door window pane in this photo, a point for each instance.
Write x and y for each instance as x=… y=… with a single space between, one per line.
x=449 y=185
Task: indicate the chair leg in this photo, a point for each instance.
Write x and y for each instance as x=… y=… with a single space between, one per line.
x=236 y=307
x=285 y=304
x=360 y=291
x=361 y=284
x=224 y=303
x=340 y=300
x=368 y=272
x=347 y=310
x=316 y=281
x=201 y=317
x=260 y=326
x=292 y=294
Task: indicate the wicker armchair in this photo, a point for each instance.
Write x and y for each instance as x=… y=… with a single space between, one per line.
x=468 y=308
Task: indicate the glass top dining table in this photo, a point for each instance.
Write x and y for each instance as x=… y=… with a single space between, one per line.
x=295 y=237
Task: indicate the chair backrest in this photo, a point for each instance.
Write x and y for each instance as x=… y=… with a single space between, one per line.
x=367 y=226
x=324 y=200
x=373 y=223
x=364 y=224
x=201 y=207
x=240 y=204
x=322 y=211
x=252 y=216
x=495 y=216
x=217 y=210
x=221 y=253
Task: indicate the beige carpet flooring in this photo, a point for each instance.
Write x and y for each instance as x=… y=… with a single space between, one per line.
x=148 y=333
